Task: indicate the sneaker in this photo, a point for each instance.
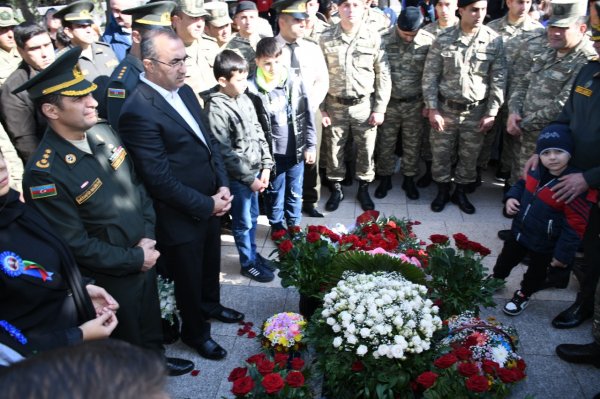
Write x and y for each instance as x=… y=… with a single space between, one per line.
x=257 y=273
x=266 y=263
x=517 y=304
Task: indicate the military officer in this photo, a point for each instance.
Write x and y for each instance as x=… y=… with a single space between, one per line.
x=9 y=57
x=538 y=98
x=359 y=90
x=97 y=60
x=126 y=76
x=245 y=40
x=463 y=87
x=514 y=28
x=82 y=180
x=188 y=21
x=406 y=46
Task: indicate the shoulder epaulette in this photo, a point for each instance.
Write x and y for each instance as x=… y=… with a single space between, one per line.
x=43 y=160
x=103 y=44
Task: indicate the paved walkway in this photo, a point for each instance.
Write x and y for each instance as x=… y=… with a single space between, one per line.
x=548 y=376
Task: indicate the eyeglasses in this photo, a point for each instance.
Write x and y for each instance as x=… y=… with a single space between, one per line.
x=177 y=63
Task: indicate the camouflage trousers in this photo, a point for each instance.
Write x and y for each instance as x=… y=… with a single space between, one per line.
x=524 y=149
x=405 y=119
x=491 y=142
x=350 y=122
x=460 y=139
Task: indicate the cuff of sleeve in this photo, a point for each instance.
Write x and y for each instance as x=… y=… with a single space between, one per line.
x=431 y=104
x=74 y=336
x=380 y=109
x=493 y=112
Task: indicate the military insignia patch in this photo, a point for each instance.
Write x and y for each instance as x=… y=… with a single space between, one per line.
x=116 y=93
x=70 y=159
x=80 y=199
x=583 y=90
x=117 y=158
x=47 y=190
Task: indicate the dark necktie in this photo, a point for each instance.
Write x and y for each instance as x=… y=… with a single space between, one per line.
x=294 y=64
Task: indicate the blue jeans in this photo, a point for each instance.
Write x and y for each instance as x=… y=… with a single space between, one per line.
x=244 y=212
x=284 y=194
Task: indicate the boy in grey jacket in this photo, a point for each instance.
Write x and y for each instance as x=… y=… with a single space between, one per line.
x=246 y=154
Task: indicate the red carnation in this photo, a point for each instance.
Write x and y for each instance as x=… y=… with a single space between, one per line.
x=255 y=359
x=489 y=366
x=357 y=366
x=272 y=383
x=295 y=379
x=285 y=246
x=297 y=363
x=438 y=238
x=265 y=367
x=294 y=229
x=463 y=353
x=367 y=216
x=242 y=386
x=313 y=229
x=313 y=236
x=278 y=235
x=237 y=373
x=467 y=369
x=445 y=361
x=427 y=379
x=281 y=359
x=509 y=376
x=519 y=374
x=521 y=364
x=477 y=383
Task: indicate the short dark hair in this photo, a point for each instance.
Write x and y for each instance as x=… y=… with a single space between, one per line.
x=25 y=31
x=54 y=99
x=227 y=62
x=268 y=47
x=148 y=47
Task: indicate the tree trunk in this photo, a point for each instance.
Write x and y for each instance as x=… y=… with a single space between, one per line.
x=28 y=9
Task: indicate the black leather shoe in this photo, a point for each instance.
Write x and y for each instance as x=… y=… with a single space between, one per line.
x=573 y=316
x=226 y=315
x=408 y=185
x=426 y=179
x=176 y=366
x=385 y=184
x=504 y=234
x=442 y=197
x=312 y=212
x=459 y=197
x=573 y=353
x=337 y=195
x=209 y=349
x=363 y=197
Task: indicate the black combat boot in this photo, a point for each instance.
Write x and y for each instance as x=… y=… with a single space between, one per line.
x=385 y=184
x=337 y=195
x=350 y=168
x=459 y=197
x=442 y=198
x=408 y=185
x=366 y=203
x=425 y=180
x=470 y=187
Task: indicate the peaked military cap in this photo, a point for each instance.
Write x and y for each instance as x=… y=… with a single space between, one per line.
x=218 y=14
x=155 y=14
x=62 y=77
x=295 y=8
x=193 y=8
x=77 y=12
x=566 y=12
x=7 y=17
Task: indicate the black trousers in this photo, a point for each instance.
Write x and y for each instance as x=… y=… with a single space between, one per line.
x=588 y=271
x=513 y=253
x=311 y=186
x=195 y=268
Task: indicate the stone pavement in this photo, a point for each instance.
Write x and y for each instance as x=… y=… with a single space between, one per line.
x=548 y=376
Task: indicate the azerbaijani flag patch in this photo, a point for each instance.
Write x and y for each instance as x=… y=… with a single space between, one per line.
x=48 y=190
x=116 y=93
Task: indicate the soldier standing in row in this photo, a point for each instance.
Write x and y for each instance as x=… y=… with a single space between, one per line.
x=246 y=18
x=463 y=87
x=218 y=23
x=446 y=17
x=314 y=26
x=359 y=91
x=9 y=57
x=406 y=46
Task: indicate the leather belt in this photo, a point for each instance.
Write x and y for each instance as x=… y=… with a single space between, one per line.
x=460 y=106
x=348 y=101
x=407 y=99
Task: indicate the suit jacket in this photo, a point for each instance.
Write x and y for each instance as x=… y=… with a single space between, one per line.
x=179 y=170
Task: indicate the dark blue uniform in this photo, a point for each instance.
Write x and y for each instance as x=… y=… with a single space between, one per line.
x=120 y=85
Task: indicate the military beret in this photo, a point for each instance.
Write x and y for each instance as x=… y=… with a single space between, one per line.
x=464 y=3
x=410 y=19
x=155 y=14
x=245 y=5
x=62 y=77
x=295 y=8
x=78 y=12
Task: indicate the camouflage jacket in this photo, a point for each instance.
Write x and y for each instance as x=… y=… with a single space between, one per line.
x=316 y=31
x=358 y=66
x=202 y=55
x=466 y=69
x=529 y=50
x=377 y=20
x=435 y=28
x=9 y=62
x=247 y=48
x=407 y=61
x=234 y=124
x=512 y=38
x=541 y=95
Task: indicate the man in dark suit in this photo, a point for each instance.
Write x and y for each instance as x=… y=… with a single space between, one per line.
x=181 y=166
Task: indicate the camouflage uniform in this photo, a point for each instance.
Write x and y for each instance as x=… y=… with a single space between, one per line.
x=540 y=96
x=9 y=61
x=464 y=79
x=13 y=162
x=199 y=75
x=404 y=111
x=435 y=28
x=512 y=37
x=315 y=33
x=247 y=48
x=377 y=20
x=359 y=84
